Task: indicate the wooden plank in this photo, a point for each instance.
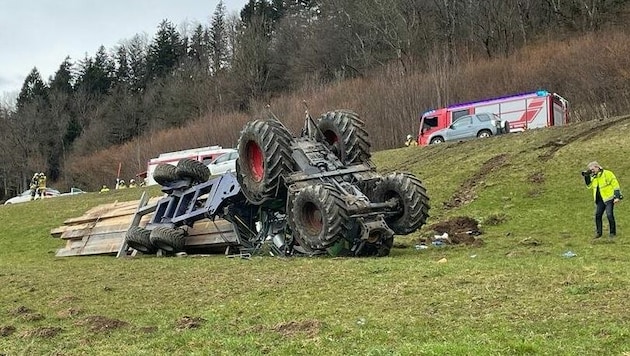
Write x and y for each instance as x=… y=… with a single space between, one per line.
x=94 y=245
x=121 y=225
x=107 y=212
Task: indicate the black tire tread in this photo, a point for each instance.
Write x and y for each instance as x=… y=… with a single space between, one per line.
x=274 y=141
x=335 y=221
x=138 y=238
x=168 y=239
x=412 y=196
x=165 y=173
x=193 y=169
x=355 y=141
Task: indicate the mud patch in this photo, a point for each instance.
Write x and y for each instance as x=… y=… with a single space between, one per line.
x=460 y=230
x=45 y=332
x=6 y=330
x=309 y=328
x=99 y=324
x=189 y=322
x=21 y=310
x=537 y=178
x=69 y=313
x=467 y=191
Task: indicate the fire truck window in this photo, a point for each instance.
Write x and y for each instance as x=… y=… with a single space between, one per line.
x=430 y=122
x=459 y=113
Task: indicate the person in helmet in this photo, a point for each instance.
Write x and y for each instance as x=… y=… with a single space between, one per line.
x=33 y=185
x=41 y=185
x=132 y=183
x=411 y=141
x=121 y=184
x=104 y=189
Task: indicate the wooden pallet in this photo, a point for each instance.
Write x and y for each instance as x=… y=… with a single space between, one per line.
x=101 y=231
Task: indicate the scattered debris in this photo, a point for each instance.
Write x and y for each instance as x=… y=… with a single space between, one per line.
x=458 y=230
x=569 y=254
x=443 y=260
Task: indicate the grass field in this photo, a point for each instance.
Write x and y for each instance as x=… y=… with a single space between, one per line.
x=515 y=294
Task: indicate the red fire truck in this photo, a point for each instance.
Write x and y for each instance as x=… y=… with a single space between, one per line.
x=523 y=111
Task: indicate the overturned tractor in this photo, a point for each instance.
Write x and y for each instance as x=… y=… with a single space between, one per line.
x=316 y=193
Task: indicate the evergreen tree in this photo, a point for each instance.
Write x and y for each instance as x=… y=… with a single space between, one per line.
x=122 y=73
x=218 y=39
x=63 y=79
x=165 y=52
x=33 y=90
x=96 y=75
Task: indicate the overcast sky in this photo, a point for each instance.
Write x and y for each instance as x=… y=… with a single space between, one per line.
x=41 y=33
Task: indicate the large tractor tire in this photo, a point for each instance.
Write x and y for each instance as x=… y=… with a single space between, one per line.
x=319 y=217
x=192 y=169
x=345 y=132
x=165 y=173
x=264 y=155
x=138 y=238
x=413 y=202
x=168 y=239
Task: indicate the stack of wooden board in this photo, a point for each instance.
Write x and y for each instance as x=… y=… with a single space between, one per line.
x=101 y=231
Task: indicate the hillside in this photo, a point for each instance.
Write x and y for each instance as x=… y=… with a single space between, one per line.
x=514 y=294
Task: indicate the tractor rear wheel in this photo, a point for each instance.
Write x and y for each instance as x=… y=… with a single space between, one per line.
x=345 y=132
x=165 y=173
x=138 y=238
x=264 y=155
x=193 y=169
x=413 y=202
x=168 y=239
x=319 y=217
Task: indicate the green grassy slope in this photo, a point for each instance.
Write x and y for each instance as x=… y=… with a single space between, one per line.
x=516 y=294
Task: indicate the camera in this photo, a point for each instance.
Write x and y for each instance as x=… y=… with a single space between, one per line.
x=586 y=173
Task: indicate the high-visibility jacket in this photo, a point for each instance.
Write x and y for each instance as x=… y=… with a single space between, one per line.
x=607 y=183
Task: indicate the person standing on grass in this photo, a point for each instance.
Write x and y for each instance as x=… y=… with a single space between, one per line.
x=606 y=193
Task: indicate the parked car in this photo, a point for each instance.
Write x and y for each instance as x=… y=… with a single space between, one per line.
x=224 y=163
x=73 y=191
x=26 y=196
x=467 y=127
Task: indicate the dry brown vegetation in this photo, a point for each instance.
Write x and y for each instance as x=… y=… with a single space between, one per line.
x=592 y=72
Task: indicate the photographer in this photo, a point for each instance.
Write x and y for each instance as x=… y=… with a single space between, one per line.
x=606 y=193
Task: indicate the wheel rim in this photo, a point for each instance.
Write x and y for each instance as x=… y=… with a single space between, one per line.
x=484 y=135
x=312 y=219
x=331 y=137
x=255 y=161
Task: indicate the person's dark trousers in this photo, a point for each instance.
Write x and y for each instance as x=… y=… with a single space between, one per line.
x=600 y=207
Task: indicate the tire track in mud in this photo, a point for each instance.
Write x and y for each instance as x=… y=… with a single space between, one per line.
x=467 y=191
x=554 y=146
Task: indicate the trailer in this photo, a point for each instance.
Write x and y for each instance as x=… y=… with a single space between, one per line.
x=201 y=154
x=523 y=111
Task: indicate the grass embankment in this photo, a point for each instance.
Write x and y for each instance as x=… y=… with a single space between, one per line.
x=516 y=294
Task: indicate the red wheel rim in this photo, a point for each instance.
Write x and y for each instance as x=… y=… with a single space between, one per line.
x=255 y=161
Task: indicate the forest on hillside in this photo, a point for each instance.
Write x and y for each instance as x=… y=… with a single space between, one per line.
x=197 y=84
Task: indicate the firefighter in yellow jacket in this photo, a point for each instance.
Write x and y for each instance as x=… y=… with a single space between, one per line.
x=606 y=193
x=41 y=185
